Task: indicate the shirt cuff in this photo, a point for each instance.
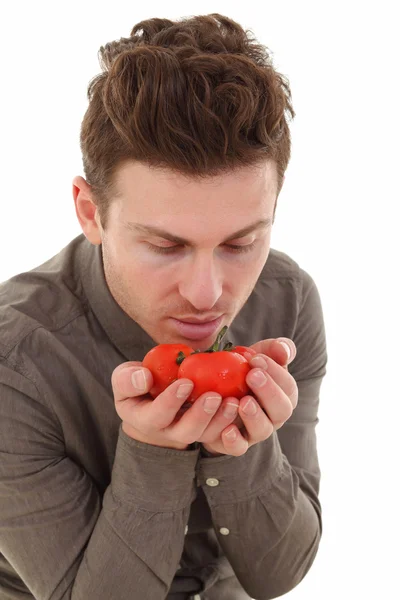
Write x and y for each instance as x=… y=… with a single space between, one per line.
x=206 y=454
x=229 y=479
x=153 y=478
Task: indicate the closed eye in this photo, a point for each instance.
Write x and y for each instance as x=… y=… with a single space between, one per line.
x=235 y=249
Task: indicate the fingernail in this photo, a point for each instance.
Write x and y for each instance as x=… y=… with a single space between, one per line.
x=231 y=434
x=287 y=348
x=184 y=390
x=250 y=408
x=211 y=403
x=139 y=380
x=258 y=378
x=230 y=410
x=258 y=361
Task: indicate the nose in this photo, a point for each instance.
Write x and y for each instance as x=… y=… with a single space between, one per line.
x=201 y=283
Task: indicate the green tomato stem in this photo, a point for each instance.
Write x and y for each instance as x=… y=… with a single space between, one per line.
x=216 y=345
x=180 y=358
x=228 y=346
x=221 y=334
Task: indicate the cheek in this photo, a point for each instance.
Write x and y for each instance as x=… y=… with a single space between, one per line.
x=247 y=266
x=244 y=274
x=152 y=282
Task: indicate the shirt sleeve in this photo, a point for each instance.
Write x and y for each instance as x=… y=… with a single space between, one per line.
x=264 y=504
x=62 y=539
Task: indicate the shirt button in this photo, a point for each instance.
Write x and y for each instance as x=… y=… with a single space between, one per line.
x=224 y=531
x=212 y=482
x=186 y=529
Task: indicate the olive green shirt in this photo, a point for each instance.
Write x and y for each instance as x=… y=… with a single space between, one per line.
x=86 y=512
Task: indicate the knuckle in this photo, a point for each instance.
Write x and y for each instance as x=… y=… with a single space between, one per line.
x=189 y=433
x=188 y=439
x=114 y=382
x=284 y=414
x=278 y=426
x=294 y=398
x=126 y=365
x=289 y=410
x=241 y=452
x=294 y=390
x=269 y=429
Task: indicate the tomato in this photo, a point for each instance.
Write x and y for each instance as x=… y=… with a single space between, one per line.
x=222 y=371
x=242 y=349
x=161 y=361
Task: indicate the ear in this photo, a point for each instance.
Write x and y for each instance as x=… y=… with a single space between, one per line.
x=86 y=210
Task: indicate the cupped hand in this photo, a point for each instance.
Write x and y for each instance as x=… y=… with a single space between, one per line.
x=275 y=396
x=165 y=421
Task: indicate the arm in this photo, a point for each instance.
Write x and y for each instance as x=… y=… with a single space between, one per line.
x=64 y=540
x=265 y=507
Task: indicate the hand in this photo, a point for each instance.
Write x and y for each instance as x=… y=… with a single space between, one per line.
x=162 y=421
x=274 y=400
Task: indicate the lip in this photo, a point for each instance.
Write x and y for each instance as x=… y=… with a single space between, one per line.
x=194 y=321
x=197 y=331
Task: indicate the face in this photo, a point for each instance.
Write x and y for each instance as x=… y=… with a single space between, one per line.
x=177 y=250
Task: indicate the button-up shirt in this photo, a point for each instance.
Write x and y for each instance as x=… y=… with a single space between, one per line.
x=87 y=512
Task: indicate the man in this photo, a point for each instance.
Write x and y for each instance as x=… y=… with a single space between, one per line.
x=104 y=492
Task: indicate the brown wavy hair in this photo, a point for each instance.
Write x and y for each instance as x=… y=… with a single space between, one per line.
x=198 y=97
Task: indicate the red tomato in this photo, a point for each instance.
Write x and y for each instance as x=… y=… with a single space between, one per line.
x=242 y=349
x=222 y=371
x=161 y=361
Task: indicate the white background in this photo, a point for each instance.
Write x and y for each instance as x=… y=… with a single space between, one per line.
x=336 y=216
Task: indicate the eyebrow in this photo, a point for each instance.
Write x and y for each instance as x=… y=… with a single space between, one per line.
x=150 y=229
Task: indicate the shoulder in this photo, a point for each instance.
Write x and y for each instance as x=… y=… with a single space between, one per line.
x=297 y=308
x=45 y=298
x=280 y=266
x=283 y=281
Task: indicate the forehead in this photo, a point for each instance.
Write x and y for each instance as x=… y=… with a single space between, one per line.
x=185 y=206
x=135 y=178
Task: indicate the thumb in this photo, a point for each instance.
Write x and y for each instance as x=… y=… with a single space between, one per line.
x=122 y=384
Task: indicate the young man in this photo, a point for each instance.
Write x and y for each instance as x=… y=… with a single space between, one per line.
x=104 y=492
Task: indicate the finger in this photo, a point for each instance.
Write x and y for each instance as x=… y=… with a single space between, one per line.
x=125 y=386
x=226 y=414
x=289 y=347
x=270 y=396
x=279 y=374
x=233 y=441
x=163 y=410
x=258 y=425
x=195 y=421
x=273 y=348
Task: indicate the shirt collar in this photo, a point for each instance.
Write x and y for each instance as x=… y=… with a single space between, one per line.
x=126 y=334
